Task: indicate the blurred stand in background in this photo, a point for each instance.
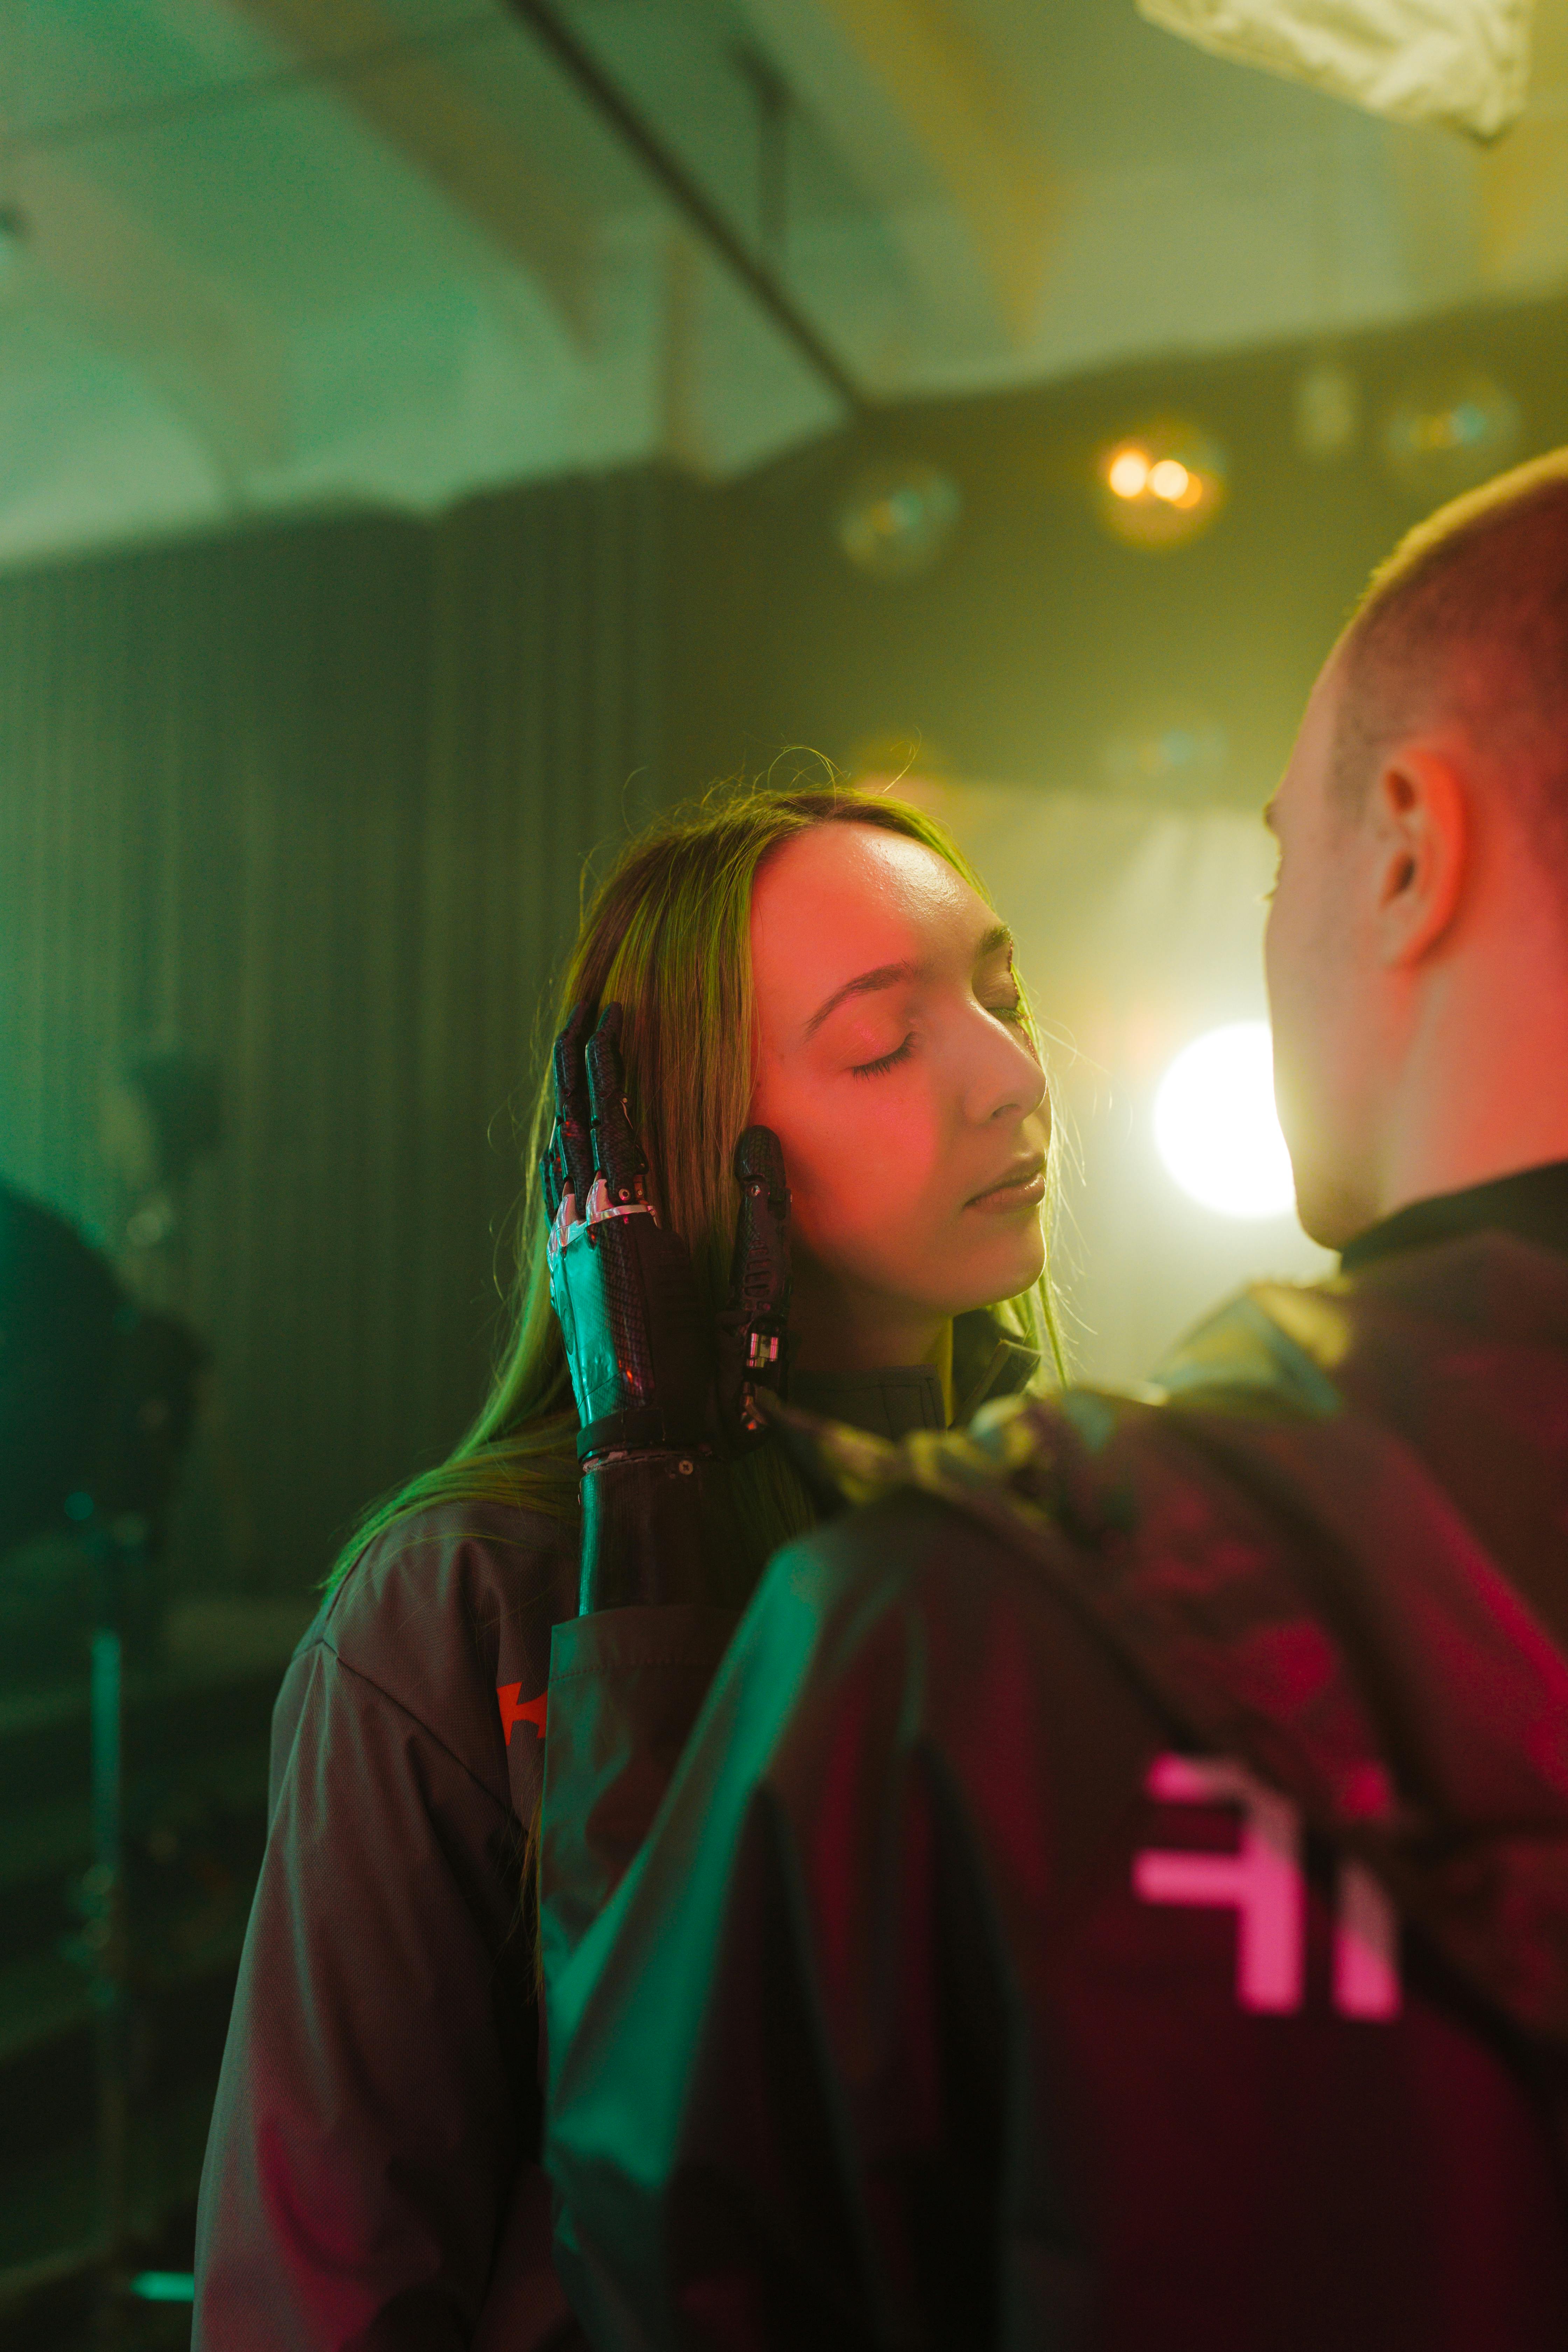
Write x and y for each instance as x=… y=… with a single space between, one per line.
x=158 y=1123
x=131 y=1760
x=60 y=1306
x=98 y=1397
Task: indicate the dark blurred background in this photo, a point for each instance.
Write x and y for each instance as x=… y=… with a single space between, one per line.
x=433 y=437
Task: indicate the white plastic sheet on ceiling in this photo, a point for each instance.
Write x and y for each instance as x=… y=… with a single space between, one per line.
x=1465 y=63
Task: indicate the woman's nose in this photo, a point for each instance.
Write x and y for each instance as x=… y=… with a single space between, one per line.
x=1010 y=1082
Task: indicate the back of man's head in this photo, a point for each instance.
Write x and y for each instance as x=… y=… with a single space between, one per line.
x=1466 y=626
x=1417 y=944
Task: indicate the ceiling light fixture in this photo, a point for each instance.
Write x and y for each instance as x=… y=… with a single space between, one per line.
x=1128 y=473
x=1162 y=485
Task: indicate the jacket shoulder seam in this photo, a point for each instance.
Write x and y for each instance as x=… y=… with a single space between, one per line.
x=402 y=1708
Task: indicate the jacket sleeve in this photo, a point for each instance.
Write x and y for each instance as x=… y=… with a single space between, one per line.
x=625 y=1688
x=379 y=2077
x=770 y=2067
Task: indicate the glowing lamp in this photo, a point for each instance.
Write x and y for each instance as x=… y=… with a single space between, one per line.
x=1162 y=485
x=1128 y=473
x=1215 y=1126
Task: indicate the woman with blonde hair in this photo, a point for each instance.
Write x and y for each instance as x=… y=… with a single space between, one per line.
x=817 y=962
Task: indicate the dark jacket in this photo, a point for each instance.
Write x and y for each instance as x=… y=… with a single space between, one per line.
x=372 y=2178
x=1117 y=1892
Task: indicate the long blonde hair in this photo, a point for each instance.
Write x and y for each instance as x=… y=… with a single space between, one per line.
x=667 y=935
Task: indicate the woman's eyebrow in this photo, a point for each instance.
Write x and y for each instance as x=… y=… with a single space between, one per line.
x=865 y=983
x=888 y=975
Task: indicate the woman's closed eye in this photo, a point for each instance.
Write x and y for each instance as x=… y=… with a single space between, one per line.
x=884 y=1061
x=1012 y=1012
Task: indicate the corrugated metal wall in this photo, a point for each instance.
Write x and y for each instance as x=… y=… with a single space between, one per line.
x=316 y=802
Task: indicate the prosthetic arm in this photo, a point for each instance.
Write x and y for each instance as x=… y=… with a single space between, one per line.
x=659 y=1397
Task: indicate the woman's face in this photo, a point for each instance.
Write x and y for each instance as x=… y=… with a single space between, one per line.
x=893 y=1068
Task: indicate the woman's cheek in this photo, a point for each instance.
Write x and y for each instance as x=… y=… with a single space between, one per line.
x=847 y=1139
x=854 y=1210
x=827 y=1182
x=856 y=1160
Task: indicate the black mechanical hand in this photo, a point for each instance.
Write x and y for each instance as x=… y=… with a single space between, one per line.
x=621 y=1288
x=655 y=1396
x=752 y=1329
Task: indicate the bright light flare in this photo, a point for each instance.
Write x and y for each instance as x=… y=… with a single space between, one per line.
x=1128 y=473
x=1161 y=485
x=1217 y=1128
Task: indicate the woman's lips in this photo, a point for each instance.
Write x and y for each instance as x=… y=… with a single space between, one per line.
x=1022 y=1188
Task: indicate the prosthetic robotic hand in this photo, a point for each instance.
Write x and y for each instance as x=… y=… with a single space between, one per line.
x=658 y=1395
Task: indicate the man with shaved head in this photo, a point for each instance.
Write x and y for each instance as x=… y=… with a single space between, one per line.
x=1419 y=940
x=1116 y=1894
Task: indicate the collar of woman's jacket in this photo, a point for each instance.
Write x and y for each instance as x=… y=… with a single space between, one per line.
x=988 y=1360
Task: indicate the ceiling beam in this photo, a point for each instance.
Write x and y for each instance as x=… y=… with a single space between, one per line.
x=917 y=109
x=437 y=122
x=642 y=138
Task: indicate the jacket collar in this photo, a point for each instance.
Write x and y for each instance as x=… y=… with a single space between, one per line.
x=1531 y=1204
x=988 y=1360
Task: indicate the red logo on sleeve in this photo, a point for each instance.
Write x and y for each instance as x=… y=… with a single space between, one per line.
x=531 y=1710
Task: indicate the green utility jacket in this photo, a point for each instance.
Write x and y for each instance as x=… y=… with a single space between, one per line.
x=1116 y=1892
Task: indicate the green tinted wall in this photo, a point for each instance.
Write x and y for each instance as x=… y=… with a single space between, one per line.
x=316 y=802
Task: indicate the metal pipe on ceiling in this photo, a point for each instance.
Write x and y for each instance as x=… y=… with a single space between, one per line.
x=644 y=141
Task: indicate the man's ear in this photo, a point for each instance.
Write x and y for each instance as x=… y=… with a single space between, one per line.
x=1421 y=824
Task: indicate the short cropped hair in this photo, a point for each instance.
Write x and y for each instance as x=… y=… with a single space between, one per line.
x=1467 y=624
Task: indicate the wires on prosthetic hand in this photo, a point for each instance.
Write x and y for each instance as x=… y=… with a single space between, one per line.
x=658 y=1396
x=753 y=1333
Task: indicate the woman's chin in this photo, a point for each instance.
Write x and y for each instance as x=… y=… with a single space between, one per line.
x=1004 y=1275
x=1020 y=1267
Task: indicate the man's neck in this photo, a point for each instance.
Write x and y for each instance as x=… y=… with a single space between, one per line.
x=1482 y=1092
